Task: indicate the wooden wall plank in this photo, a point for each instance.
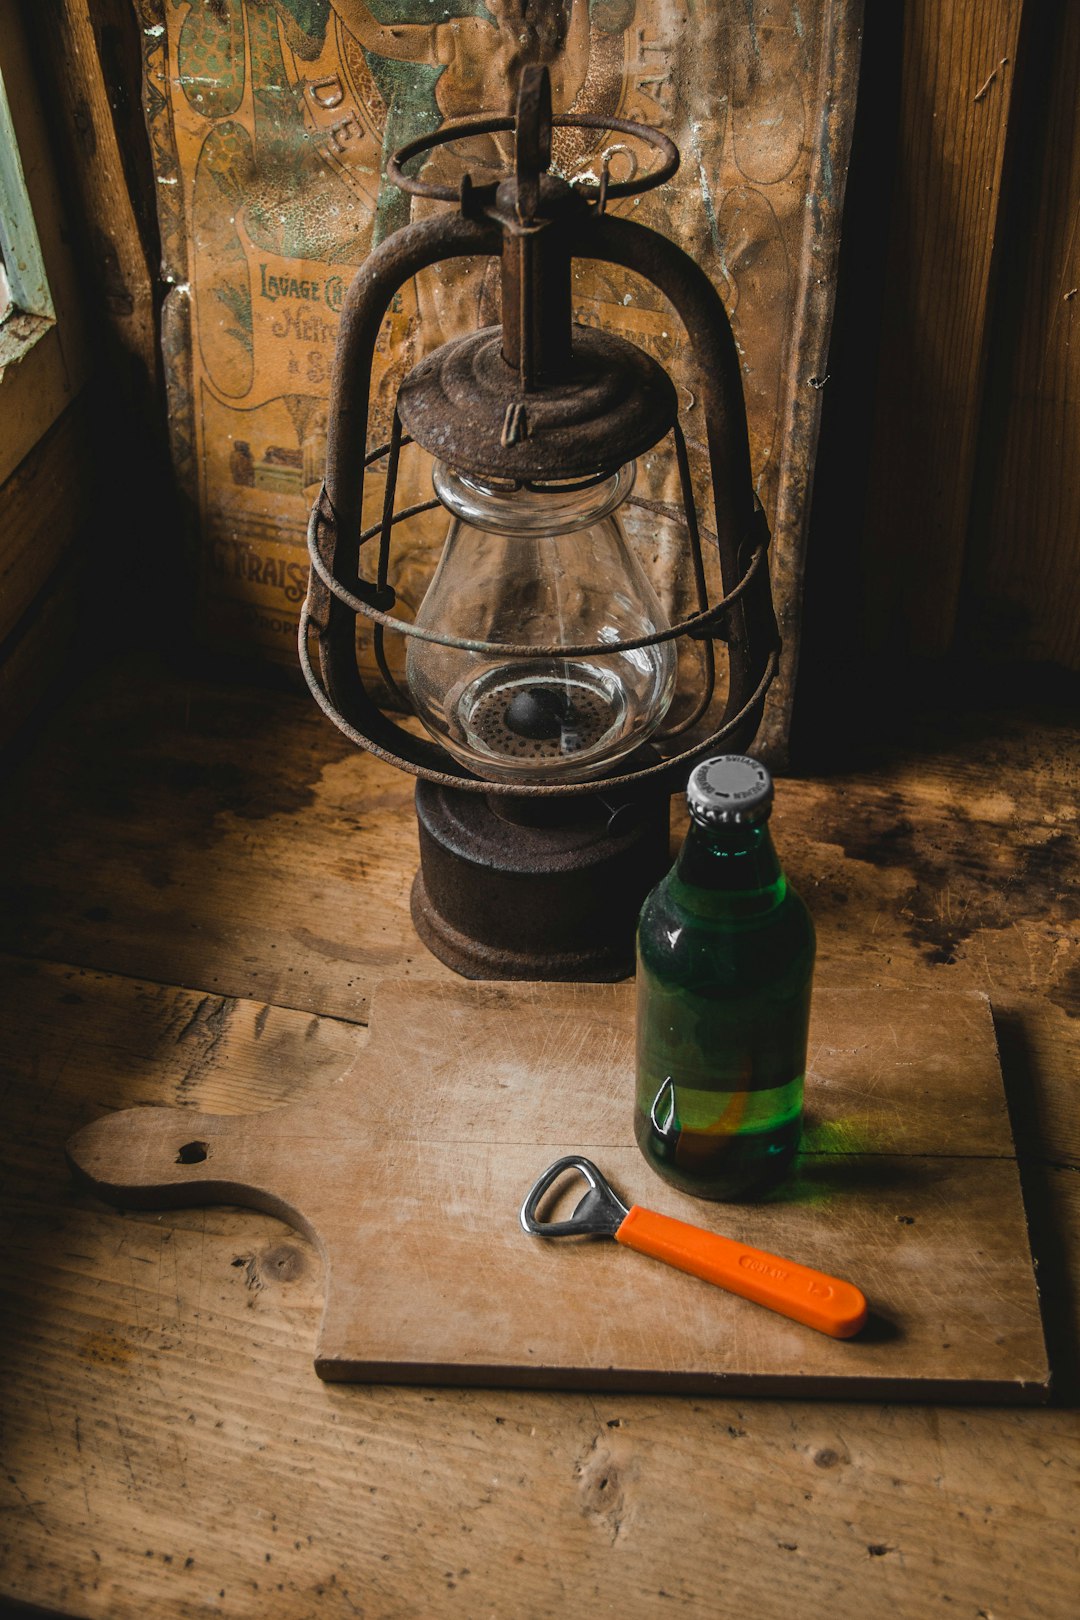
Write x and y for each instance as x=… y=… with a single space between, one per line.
x=42 y=507
x=83 y=52
x=956 y=92
x=36 y=655
x=1028 y=580
x=66 y=114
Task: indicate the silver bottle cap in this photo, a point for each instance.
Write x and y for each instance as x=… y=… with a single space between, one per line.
x=731 y=789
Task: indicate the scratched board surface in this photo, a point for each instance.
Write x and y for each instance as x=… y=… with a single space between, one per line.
x=270 y=122
x=409 y=1169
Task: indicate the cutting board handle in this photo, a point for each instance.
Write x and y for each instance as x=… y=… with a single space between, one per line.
x=158 y=1158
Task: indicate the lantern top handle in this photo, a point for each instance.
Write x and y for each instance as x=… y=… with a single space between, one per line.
x=532 y=123
x=538 y=398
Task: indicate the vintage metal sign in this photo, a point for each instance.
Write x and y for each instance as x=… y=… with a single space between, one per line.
x=270 y=122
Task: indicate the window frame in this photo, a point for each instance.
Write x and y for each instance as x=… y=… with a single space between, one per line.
x=43 y=352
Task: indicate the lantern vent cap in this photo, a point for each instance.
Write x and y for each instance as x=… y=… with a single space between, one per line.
x=464 y=404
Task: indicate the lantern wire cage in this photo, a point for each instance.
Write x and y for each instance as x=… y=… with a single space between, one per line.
x=339 y=595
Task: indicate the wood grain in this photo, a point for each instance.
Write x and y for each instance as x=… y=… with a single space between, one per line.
x=83 y=47
x=956 y=88
x=43 y=509
x=35 y=657
x=202 y=905
x=1027 y=572
x=167 y=1450
x=229 y=840
x=407 y=1174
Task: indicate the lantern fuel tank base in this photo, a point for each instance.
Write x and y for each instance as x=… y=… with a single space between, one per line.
x=535 y=889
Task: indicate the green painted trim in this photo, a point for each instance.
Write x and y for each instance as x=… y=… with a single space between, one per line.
x=20 y=249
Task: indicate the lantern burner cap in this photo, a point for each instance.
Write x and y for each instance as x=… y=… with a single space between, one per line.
x=527 y=722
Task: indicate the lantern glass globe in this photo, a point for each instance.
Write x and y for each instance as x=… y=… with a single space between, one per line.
x=545 y=567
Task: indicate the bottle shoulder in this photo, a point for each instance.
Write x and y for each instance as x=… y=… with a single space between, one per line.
x=708 y=943
x=673 y=903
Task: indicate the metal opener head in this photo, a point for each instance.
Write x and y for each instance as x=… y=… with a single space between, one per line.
x=600 y=1212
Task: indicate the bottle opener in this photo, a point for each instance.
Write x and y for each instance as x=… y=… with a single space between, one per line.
x=812 y=1297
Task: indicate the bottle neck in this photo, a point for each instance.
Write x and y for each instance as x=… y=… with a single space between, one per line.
x=729 y=870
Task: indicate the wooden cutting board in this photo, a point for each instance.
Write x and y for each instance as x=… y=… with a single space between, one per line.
x=409 y=1171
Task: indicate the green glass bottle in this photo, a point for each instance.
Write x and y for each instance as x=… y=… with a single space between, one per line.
x=725 y=963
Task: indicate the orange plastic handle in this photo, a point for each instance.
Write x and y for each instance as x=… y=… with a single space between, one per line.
x=826 y=1303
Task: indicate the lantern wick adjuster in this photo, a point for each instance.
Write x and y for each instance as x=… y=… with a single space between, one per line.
x=599 y=1213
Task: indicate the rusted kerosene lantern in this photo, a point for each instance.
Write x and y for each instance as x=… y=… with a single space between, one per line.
x=540 y=661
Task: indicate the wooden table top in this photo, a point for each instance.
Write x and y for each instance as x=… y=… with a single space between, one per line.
x=201 y=884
